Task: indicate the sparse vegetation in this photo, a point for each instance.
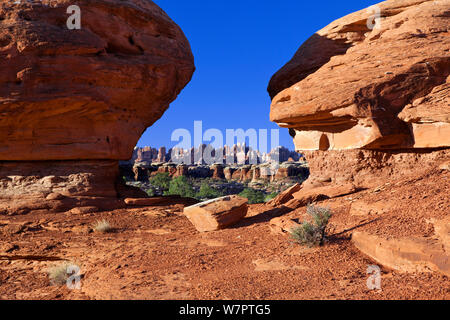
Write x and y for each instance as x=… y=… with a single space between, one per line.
x=312 y=233
x=253 y=196
x=180 y=186
x=102 y=226
x=271 y=196
x=207 y=192
x=58 y=275
x=161 y=180
x=151 y=192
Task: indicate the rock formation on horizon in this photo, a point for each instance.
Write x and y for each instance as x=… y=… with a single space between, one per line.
x=75 y=102
x=195 y=155
x=372 y=98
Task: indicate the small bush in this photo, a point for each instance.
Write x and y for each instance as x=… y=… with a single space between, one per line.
x=207 y=192
x=180 y=186
x=312 y=234
x=58 y=275
x=271 y=196
x=253 y=196
x=151 y=192
x=161 y=180
x=102 y=226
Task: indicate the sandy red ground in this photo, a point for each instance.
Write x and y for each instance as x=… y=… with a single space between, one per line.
x=156 y=253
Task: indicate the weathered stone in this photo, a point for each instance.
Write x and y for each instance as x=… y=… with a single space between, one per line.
x=306 y=196
x=410 y=254
x=218 y=172
x=159 y=201
x=129 y=60
x=57 y=186
x=217 y=214
x=80 y=99
x=84 y=210
x=282 y=225
x=370 y=168
x=351 y=87
x=181 y=171
x=285 y=196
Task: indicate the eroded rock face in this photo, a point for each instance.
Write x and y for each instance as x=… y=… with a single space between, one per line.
x=350 y=87
x=370 y=107
x=406 y=254
x=369 y=168
x=84 y=94
x=57 y=185
x=89 y=93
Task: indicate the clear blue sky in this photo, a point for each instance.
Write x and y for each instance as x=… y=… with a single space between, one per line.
x=238 y=45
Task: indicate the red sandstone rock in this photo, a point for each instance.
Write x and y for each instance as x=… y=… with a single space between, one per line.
x=158 y=201
x=217 y=214
x=406 y=254
x=161 y=155
x=218 y=171
x=89 y=93
x=285 y=196
x=369 y=168
x=81 y=95
x=350 y=87
x=305 y=196
x=282 y=225
x=181 y=171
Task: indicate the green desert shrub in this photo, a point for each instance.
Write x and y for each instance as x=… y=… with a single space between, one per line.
x=271 y=196
x=151 y=192
x=253 y=196
x=207 y=192
x=312 y=233
x=180 y=186
x=161 y=180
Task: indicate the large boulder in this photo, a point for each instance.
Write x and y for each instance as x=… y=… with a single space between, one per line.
x=218 y=213
x=351 y=86
x=364 y=104
x=83 y=94
x=368 y=106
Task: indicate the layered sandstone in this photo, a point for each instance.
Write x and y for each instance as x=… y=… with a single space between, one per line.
x=83 y=94
x=369 y=107
x=350 y=86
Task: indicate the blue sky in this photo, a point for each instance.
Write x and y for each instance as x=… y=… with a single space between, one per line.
x=238 y=45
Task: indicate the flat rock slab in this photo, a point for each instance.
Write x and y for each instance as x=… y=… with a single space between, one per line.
x=305 y=196
x=158 y=201
x=218 y=213
x=412 y=254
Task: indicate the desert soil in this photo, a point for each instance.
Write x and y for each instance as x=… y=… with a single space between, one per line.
x=156 y=253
